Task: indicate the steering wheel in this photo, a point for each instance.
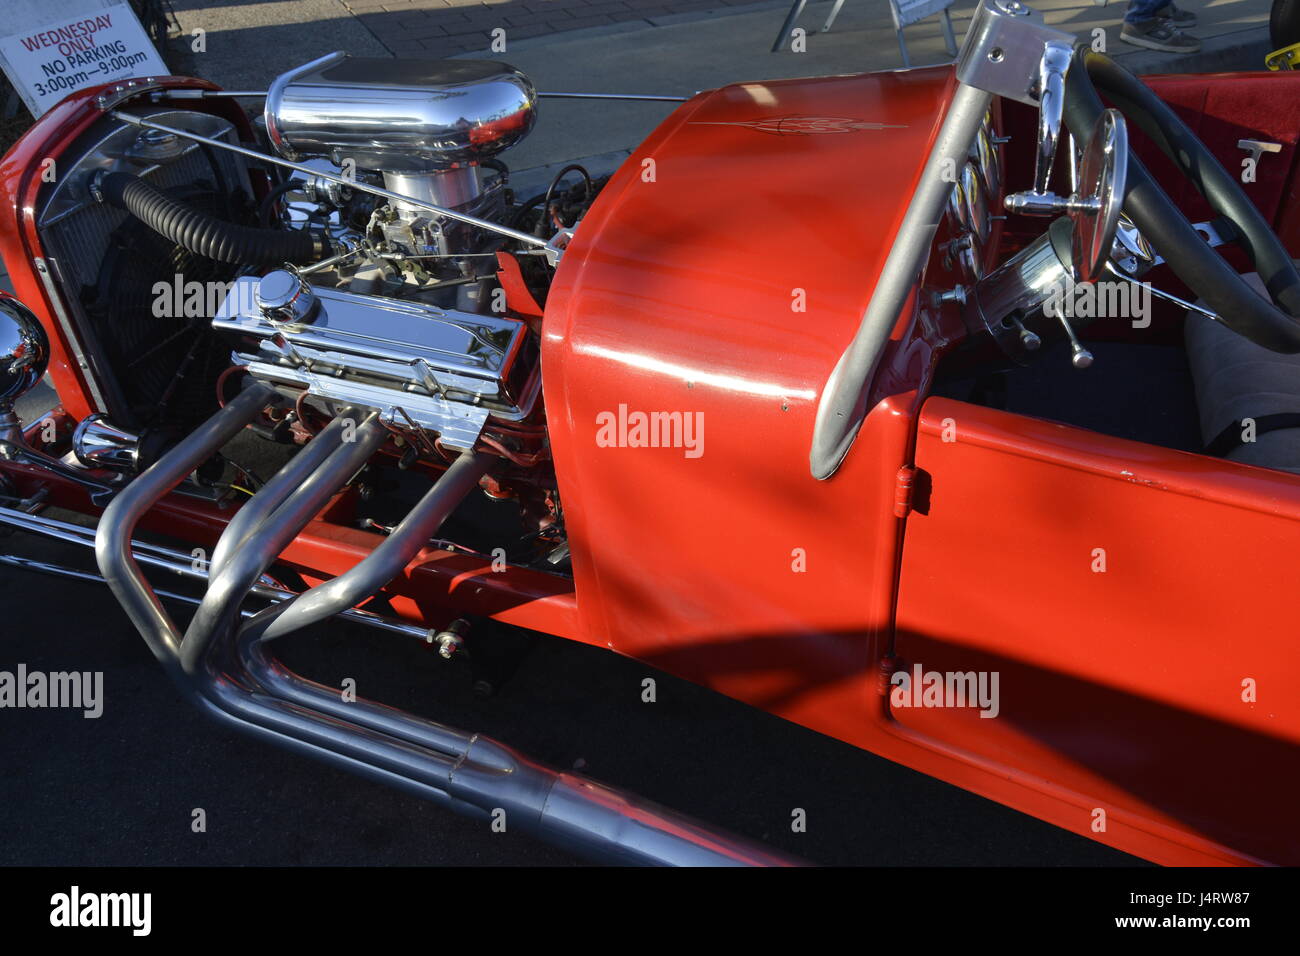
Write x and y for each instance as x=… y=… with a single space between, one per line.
x=1275 y=325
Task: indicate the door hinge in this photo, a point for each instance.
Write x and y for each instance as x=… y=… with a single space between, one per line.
x=904 y=487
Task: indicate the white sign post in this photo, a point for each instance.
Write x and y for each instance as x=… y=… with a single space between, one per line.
x=53 y=47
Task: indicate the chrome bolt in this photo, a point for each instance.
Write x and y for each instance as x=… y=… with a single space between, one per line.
x=451 y=640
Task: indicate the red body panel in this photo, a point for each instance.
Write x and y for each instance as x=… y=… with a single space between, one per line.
x=1123 y=685
x=677 y=295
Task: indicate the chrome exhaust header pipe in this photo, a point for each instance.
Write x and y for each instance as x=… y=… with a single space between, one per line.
x=254 y=512
x=259 y=548
x=384 y=563
x=113 y=539
x=235 y=679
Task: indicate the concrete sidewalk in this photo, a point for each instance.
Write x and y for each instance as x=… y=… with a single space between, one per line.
x=250 y=37
x=679 y=53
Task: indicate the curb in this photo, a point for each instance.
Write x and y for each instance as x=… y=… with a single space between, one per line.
x=1237 y=51
x=1230 y=52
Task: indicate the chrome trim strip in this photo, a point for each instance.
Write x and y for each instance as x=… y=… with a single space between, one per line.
x=90 y=374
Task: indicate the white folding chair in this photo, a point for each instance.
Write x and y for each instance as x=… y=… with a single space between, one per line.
x=907 y=12
x=904 y=13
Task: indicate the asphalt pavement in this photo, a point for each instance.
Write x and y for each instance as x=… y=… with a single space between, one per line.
x=677 y=53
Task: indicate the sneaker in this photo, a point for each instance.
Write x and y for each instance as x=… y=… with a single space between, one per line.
x=1159 y=34
x=1182 y=18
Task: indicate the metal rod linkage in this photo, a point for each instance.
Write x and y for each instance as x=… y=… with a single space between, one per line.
x=63 y=571
x=159 y=96
x=635 y=97
x=1161 y=294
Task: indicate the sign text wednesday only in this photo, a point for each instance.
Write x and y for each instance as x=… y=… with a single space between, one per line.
x=100 y=45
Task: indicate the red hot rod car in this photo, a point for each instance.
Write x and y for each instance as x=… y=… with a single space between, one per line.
x=959 y=420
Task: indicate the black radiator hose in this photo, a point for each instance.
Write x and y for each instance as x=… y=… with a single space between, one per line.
x=202 y=234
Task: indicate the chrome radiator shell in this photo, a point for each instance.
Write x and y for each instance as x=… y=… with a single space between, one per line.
x=75 y=229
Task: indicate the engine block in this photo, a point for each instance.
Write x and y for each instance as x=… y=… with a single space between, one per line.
x=442 y=370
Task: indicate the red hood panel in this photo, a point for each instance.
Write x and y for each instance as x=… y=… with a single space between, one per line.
x=680 y=294
x=758 y=189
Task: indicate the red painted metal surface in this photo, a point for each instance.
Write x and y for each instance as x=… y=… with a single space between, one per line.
x=736 y=568
x=1130 y=596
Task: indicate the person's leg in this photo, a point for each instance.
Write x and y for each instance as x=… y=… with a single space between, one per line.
x=1152 y=24
x=1143 y=11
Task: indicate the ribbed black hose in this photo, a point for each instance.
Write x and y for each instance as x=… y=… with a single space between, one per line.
x=202 y=234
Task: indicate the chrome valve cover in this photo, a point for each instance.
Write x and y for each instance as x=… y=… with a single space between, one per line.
x=442 y=370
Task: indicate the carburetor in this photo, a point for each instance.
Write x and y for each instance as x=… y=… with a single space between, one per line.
x=424 y=125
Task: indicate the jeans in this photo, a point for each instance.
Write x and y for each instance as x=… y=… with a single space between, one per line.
x=1144 y=11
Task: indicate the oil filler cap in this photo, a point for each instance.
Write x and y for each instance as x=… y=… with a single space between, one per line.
x=286 y=299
